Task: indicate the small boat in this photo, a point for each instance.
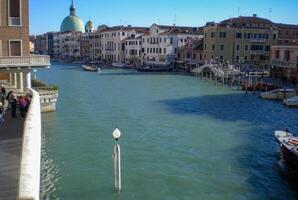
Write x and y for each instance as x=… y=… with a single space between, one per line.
x=288 y=145
x=90 y=68
x=291 y=101
x=279 y=94
x=119 y=65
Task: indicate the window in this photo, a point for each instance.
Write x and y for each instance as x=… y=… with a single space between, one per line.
x=15 y=48
x=245 y=58
x=238 y=47
x=239 y=35
x=14 y=11
x=213 y=47
x=287 y=55
x=171 y=42
x=277 y=54
x=205 y=35
x=221 y=58
x=267 y=48
x=212 y=35
x=237 y=58
x=222 y=34
x=222 y=47
x=246 y=47
x=274 y=36
x=164 y=51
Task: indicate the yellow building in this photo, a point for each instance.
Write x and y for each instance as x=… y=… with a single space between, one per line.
x=241 y=40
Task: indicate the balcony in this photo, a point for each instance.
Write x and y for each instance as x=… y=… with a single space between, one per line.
x=14 y=21
x=257 y=52
x=258 y=40
x=25 y=61
x=284 y=64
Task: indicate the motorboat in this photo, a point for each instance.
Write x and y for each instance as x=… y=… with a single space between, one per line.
x=279 y=94
x=291 y=101
x=90 y=68
x=119 y=65
x=288 y=145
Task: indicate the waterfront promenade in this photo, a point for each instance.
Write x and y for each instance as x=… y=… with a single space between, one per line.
x=10 y=153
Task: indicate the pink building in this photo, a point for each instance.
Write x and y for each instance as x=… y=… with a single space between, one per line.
x=284 y=61
x=190 y=55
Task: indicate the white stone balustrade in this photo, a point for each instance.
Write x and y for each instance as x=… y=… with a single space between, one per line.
x=25 y=61
x=29 y=180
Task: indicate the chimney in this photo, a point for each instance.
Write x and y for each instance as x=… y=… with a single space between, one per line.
x=254 y=15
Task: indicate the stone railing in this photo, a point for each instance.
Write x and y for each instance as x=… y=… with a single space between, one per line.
x=284 y=64
x=29 y=179
x=26 y=61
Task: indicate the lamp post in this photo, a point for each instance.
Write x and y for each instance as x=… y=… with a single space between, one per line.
x=117 y=160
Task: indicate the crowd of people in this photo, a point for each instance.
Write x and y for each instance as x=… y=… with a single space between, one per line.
x=15 y=104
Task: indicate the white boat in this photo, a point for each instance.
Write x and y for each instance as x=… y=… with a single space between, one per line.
x=90 y=68
x=291 y=101
x=288 y=145
x=284 y=93
x=119 y=65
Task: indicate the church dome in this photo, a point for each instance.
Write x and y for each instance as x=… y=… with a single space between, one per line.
x=89 y=27
x=72 y=22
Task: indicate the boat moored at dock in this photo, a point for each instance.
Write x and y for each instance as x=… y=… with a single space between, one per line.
x=288 y=145
x=279 y=94
x=291 y=102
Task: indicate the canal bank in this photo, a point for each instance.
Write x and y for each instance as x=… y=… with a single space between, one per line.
x=182 y=138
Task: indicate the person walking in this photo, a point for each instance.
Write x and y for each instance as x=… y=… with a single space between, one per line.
x=2 y=94
x=23 y=106
x=13 y=104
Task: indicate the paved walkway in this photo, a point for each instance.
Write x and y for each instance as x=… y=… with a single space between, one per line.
x=11 y=132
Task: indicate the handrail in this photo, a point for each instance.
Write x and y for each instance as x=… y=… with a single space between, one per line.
x=29 y=179
x=25 y=60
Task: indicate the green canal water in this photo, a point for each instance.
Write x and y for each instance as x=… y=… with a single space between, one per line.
x=182 y=138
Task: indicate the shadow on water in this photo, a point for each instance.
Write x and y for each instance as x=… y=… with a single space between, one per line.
x=257 y=157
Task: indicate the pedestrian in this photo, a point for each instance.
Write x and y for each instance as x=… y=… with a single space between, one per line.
x=22 y=106
x=2 y=94
x=1 y=112
x=13 y=104
x=3 y=90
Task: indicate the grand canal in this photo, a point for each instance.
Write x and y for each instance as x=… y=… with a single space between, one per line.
x=182 y=138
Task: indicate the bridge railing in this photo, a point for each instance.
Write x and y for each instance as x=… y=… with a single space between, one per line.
x=29 y=178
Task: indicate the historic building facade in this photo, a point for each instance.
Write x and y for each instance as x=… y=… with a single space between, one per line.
x=284 y=61
x=191 y=55
x=113 y=42
x=160 y=45
x=241 y=40
x=15 y=59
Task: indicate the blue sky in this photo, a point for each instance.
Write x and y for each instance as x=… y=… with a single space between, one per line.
x=47 y=15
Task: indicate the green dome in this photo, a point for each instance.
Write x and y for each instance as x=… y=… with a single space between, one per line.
x=89 y=27
x=72 y=23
